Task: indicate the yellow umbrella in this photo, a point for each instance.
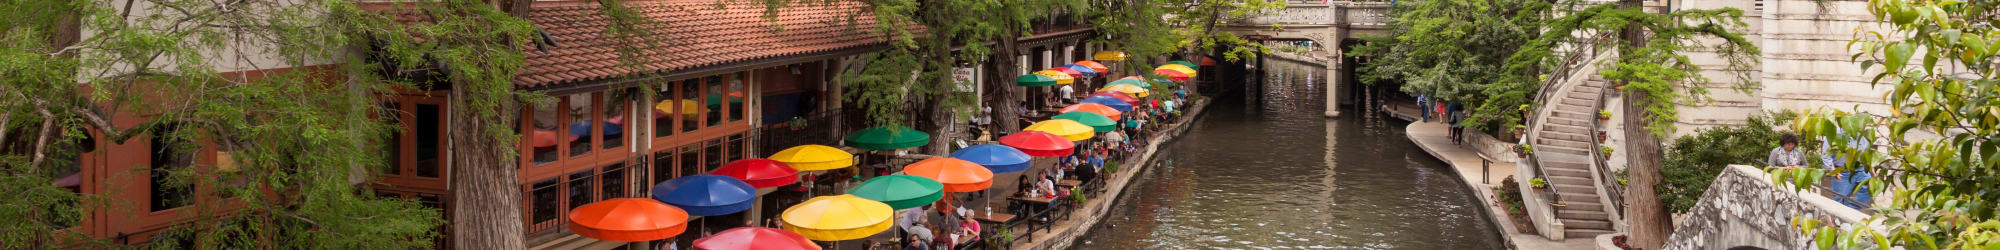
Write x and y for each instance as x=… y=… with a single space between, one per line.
x=1133 y=90
x=1068 y=129
x=1177 y=67
x=1060 y=77
x=1110 y=56
x=689 y=107
x=838 y=218
x=814 y=157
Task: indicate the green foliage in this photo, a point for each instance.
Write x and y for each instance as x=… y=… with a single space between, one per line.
x=1456 y=51
x=1656 y=66
x=1538 y=182
x=1693 y=161
x=1934 y=154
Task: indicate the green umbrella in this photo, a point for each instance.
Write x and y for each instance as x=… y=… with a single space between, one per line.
x=1034 y=80
x=1134 y=82
x=900 y=191
x=887 y=138
x=1096 y=121
x=715 y=100
x=1184 y=63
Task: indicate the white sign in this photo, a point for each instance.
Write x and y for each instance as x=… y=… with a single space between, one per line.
x=964 y=77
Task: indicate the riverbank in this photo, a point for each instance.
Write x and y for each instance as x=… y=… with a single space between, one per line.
x=1063 y=233
x=1480 y=175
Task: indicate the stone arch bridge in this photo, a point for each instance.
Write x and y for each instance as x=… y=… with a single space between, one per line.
x=1328 y=24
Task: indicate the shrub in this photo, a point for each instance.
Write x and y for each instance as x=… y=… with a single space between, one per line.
x=1693 y=161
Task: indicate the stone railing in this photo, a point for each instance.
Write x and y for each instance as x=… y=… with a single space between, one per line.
x=1366 y=14
x=1744 y=208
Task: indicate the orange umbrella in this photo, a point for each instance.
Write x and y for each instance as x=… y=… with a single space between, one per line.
x=628 y=220
x=1099 y=109
x=957 y=175
x=1093 y=65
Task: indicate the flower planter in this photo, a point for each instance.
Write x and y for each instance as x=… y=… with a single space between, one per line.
x=1602 y=136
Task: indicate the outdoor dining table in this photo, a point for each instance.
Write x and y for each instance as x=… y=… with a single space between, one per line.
x=1069 y=183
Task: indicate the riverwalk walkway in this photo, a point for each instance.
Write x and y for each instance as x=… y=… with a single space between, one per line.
x=1435 y=138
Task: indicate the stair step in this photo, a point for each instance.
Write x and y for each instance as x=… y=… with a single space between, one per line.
x=1579 y=102
x=1585 y=206
x=1561 y=150
x=1560 y=135
x=1592 y=95
x=1573 y=224
x=1580 y=189
x=1561 y=172
x=1573 y=144
x=1569 y=180
x=1585 y=108
x=1569 y=121
x=1574 y=114
x=1581 y=215
x=1584 y=233
x=1579 y=130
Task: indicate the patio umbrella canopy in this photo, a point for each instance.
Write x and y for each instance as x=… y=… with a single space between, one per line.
x=1086 y=70
x=547 y=138
x=1189 y=70
x=1169 y=74
x=887 y=138
x=1034 y=80
x=581 y=129
x=759 y=173
x=688 y=107
x=1068 y=129
x=837 y=218
x=958 y=176
x=1073 y=74
x=1039 y=144
x=900 y=191
x=1097 y=122
x=1182 y=63
x=1099 y=67
x=1061 y=78
x=1100 y=109
x=1127 y=89
x=1206 y=61
x=813 y=157
x=1107 y=101
x=628 y=220
x=1131 y=81
x=1115 y=94
x=1115 y=56
x=755 y=238
x=706 y=195
x=998 y=158
x=715 y=99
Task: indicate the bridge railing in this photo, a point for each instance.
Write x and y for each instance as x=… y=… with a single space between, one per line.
x=1324 y=13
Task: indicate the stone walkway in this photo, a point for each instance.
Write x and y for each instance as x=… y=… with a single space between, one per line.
x=1435 y=139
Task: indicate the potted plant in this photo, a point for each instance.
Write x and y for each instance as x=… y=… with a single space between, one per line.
x=1076 y=194
x=1524 y=150
x=1519 y=131
x=1607 y=150
x=1603 y=136
x=1538 y=183
x=1527 y=111
x=1604 y=115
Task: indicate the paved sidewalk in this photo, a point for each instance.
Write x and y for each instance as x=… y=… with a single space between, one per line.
x=1435 y=139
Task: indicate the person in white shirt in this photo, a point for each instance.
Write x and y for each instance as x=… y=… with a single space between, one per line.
x=1066 y=90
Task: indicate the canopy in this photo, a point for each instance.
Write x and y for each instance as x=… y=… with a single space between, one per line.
x=1131 y=81
x=759 y=172
x=1189 y=70
x=547 y=138
x=891 y=137
x=1073 y=74
x=1039 y=144
x=628 y=220
x=755 y=238
x=997 y=158
x=1170 y=74
x=1127 y=89
x=1207 y=61
x=1034 y=80
x=1115 y=94
x=1100 y=109
x=1099 y=67
x=581 y=129
x=1107 y=101
x=706 y=195
x=1068 y=129
x=837 y=218
x=900 y=191
x=1182 y=63
x=1097 y=122
x=958 y=176
x=1115 y=56
x=1059 y=76
x=689 y=107
x=813 y=157
x=1086 y=70
x=715 y=99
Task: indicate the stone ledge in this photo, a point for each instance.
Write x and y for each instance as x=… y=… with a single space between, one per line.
x=1744 y=208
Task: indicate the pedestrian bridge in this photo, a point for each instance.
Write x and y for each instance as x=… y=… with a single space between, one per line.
x=1329 y=24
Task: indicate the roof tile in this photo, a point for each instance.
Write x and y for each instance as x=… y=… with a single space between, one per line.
x=687 y=34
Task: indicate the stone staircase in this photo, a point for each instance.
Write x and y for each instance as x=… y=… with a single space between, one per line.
x=1562 y=146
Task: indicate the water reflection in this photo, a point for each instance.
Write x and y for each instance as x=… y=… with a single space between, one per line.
x=1276 y=175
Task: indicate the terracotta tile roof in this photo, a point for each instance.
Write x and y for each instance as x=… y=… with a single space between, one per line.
x=687 y=34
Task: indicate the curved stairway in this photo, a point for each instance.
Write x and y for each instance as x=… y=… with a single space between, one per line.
x=1562 y=146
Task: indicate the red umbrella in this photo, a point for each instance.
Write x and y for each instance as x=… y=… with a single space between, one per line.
x=1039 y=144
x=1121 y=96
x=1093 y=65
x=1206 y=61
x=1171 y=74
x=1066 y=71
x=759 y=172
x=628 y=220
x=745 y=238
x=545 y=138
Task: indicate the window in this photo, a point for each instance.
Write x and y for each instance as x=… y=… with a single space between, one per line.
x=663 y=167
x=736 y=149
x=580 y=123
x=690 y=160
x=544 y=139
x=713 y=154
x=392 y=143
x=169 y=154
x=580 y=189
x=428 y=139
x=617 y=103
x=547 y=200
x=736 y=95
x=614 y=181
x=691 y=117
x=716 y=99
x=665 y=109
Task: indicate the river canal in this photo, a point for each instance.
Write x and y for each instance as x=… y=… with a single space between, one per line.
x=1277 y=175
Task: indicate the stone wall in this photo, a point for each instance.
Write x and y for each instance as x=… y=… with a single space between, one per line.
x=1804 y=64
x=1744 y=208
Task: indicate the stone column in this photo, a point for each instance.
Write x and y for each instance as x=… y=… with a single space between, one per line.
x=1334 y=64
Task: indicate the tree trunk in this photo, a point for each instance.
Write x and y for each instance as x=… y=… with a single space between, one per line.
x=485 y=188
x=938 y=113
x=1649 y=221
x=1001 y=81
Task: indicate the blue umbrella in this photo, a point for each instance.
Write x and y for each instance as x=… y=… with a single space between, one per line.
x=706 y=195
x=998 y=158
x=1114 y=103
x=578 y=129
x=1087 y=72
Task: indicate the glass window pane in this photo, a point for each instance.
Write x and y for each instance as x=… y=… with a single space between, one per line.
x=713 y=155
x=664 y=110
x=690 y=160
x=716 y=99
x=547 y=197
x=580 y=189
x=392 y=143
x=691 y=95
x=548 y=133
x=614 y=181
x=579 y=124
x=429 y=134
x=168 y=155
x=736 y=149
x=617 y=103
x=663 y=168
x=737 y=96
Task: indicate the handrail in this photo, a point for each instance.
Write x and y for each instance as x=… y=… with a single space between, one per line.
x=1575 y=60
x=1613 y=190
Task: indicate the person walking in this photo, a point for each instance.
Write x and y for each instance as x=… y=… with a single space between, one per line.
x=1787 y=155
x=1423 y=101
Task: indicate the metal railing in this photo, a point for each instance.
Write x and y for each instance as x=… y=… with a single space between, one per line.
x=1614 y=191
x=810 y=128
x=1572 y=62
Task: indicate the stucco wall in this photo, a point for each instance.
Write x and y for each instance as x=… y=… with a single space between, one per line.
x=1804 y=64
x=1744 y=208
